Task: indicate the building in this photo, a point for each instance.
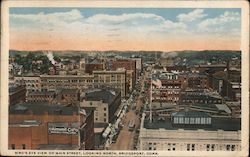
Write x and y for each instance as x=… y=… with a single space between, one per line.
x=41 y=96
x=99 y=140
x=47 y=127
x=111 y=79
x=127 y=64
x=190 y=131
x=139 y=67
x=33 y=83
x=54 y=82
x=197 y=81
x=231 y=90
x=105 y=102
x=99 y=79
x=166 y=61
x=17 y=94
x=167 y=87
x=200 y=96
x=216 y=80
x=95 y=65
x=68 y=96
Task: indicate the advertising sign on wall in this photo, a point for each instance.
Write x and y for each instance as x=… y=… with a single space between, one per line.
x=61 y=128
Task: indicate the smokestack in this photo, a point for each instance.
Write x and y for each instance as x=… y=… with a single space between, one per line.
x=51 y=57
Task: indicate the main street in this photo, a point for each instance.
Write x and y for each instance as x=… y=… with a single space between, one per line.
x=127 y=140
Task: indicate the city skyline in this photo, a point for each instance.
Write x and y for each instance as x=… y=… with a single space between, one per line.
x=125 y=29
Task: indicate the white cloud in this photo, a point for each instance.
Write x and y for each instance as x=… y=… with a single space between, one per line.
x=52 y=18
x=192 y=16
x=102 y=24
x=117 y=19
x=224 y=21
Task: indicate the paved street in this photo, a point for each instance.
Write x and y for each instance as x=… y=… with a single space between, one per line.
x=125 y=138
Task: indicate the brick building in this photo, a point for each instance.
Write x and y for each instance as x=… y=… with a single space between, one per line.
x=41 y=96
x=47 y=126
x=93 y=66
x=197 y=81
x=127 y=64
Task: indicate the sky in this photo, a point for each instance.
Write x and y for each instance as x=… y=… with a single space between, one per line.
x=161 y=29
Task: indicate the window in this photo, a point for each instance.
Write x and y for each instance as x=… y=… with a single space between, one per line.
x=193 y=147
x=228 y=147
x=105 y=114
x=212 y=147
x=13 y=146
x=169 y=146
x=96 y=119
x=208 y=147
x=233 y=148
x=105 y=109
x=105 y=120
x=23 y=146
x=188 y=147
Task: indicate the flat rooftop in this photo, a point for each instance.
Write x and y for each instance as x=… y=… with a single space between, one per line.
x=226 y=124
x=42 y=107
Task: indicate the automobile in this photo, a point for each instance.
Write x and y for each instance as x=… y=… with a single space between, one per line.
x=131 y=126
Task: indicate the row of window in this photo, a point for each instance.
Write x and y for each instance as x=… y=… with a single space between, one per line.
x=27 y=81
x=187 y=120
x=202 y=101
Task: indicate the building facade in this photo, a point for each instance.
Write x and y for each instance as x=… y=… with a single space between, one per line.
x=111 y=79
x=162 y=135
x=33 y=83
x=105 y=102
x=46 y=126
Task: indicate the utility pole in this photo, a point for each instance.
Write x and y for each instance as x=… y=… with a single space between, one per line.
x=150 y=105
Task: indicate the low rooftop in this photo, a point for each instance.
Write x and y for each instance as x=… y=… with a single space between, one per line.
x=107 y=96
x=226 y=124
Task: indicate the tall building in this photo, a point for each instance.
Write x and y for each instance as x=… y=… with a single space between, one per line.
x=115 y=79
x=54 y=82
x=99 y=79
x=129 y=65
x=95 y=65
x=105 y=102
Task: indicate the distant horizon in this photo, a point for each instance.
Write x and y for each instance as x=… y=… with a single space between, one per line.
x=125 y=29
x=123 y=50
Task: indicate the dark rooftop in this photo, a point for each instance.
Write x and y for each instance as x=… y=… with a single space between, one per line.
x=107 y=96
x=41 y=108
x=42 y=93
x=100 y=125
x=13 y=89
x=226 y=124
x=69 y=91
